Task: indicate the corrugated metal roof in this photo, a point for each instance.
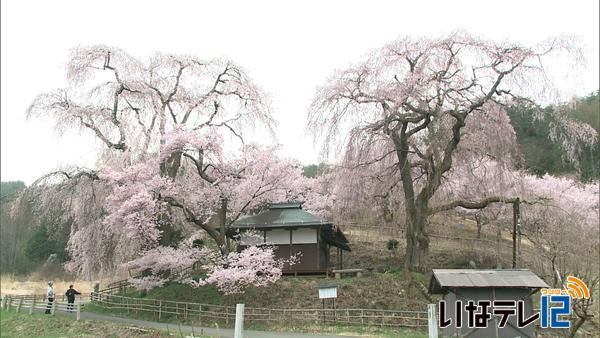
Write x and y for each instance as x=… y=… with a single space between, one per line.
x=443 y=279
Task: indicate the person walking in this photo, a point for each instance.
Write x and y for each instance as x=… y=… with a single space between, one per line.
x=71 y=297
x=50 y=295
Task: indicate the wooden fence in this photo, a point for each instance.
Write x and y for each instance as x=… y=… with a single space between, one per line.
x=83 y=297
x=31 y=303
x=210 y=313
x=116 y=287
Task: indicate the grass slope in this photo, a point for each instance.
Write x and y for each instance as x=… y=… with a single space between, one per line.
x=14 y=324
x=374 y=291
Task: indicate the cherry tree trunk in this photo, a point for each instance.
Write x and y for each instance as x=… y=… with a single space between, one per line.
x=222 y=240
x=417 y=241
x=168 y=168
x=578 y=323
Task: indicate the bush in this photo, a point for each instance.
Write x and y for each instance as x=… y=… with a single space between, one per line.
x=392 y=245
x=198 y=243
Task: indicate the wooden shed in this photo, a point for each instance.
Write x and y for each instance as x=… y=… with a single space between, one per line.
x=486 y=285
x=291 y=230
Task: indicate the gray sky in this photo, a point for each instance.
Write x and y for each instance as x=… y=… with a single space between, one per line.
x=288 y=48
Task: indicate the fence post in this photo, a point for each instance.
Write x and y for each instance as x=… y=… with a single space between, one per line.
x=32 y=305
x=19 y=304
x=4 y=302
x=53 y=309
x=362 y=317
x=78 y=311
x=433 y=329
x=239 y=321
x=159 y=308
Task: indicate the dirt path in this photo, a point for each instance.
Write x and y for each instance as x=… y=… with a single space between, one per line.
x=175 y=328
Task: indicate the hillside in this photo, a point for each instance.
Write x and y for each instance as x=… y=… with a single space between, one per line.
x=384 y=287
x=374 y=291
x=541 y=156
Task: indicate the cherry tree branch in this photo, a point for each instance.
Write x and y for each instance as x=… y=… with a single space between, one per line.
x=480 y=204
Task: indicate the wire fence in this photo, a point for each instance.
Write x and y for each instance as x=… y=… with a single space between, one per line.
x=375 y=233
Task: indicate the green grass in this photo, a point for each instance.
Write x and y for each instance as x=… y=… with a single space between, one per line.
x=366 y=331
x=141 y=315
x=14 y=324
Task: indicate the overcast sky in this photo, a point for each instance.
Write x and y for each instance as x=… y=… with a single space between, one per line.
x=288 y=48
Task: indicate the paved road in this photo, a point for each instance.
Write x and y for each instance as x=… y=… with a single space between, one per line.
x=171 y=327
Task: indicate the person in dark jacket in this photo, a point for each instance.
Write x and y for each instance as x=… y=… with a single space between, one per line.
x=71 y=297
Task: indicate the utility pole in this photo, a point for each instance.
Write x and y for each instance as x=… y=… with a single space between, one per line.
x=516 y=228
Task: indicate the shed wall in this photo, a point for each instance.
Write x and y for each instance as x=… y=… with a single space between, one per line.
x=308 y=258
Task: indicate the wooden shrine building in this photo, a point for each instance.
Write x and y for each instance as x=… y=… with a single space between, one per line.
x=291 y=230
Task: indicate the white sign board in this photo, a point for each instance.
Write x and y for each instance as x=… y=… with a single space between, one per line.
x=329 y=292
